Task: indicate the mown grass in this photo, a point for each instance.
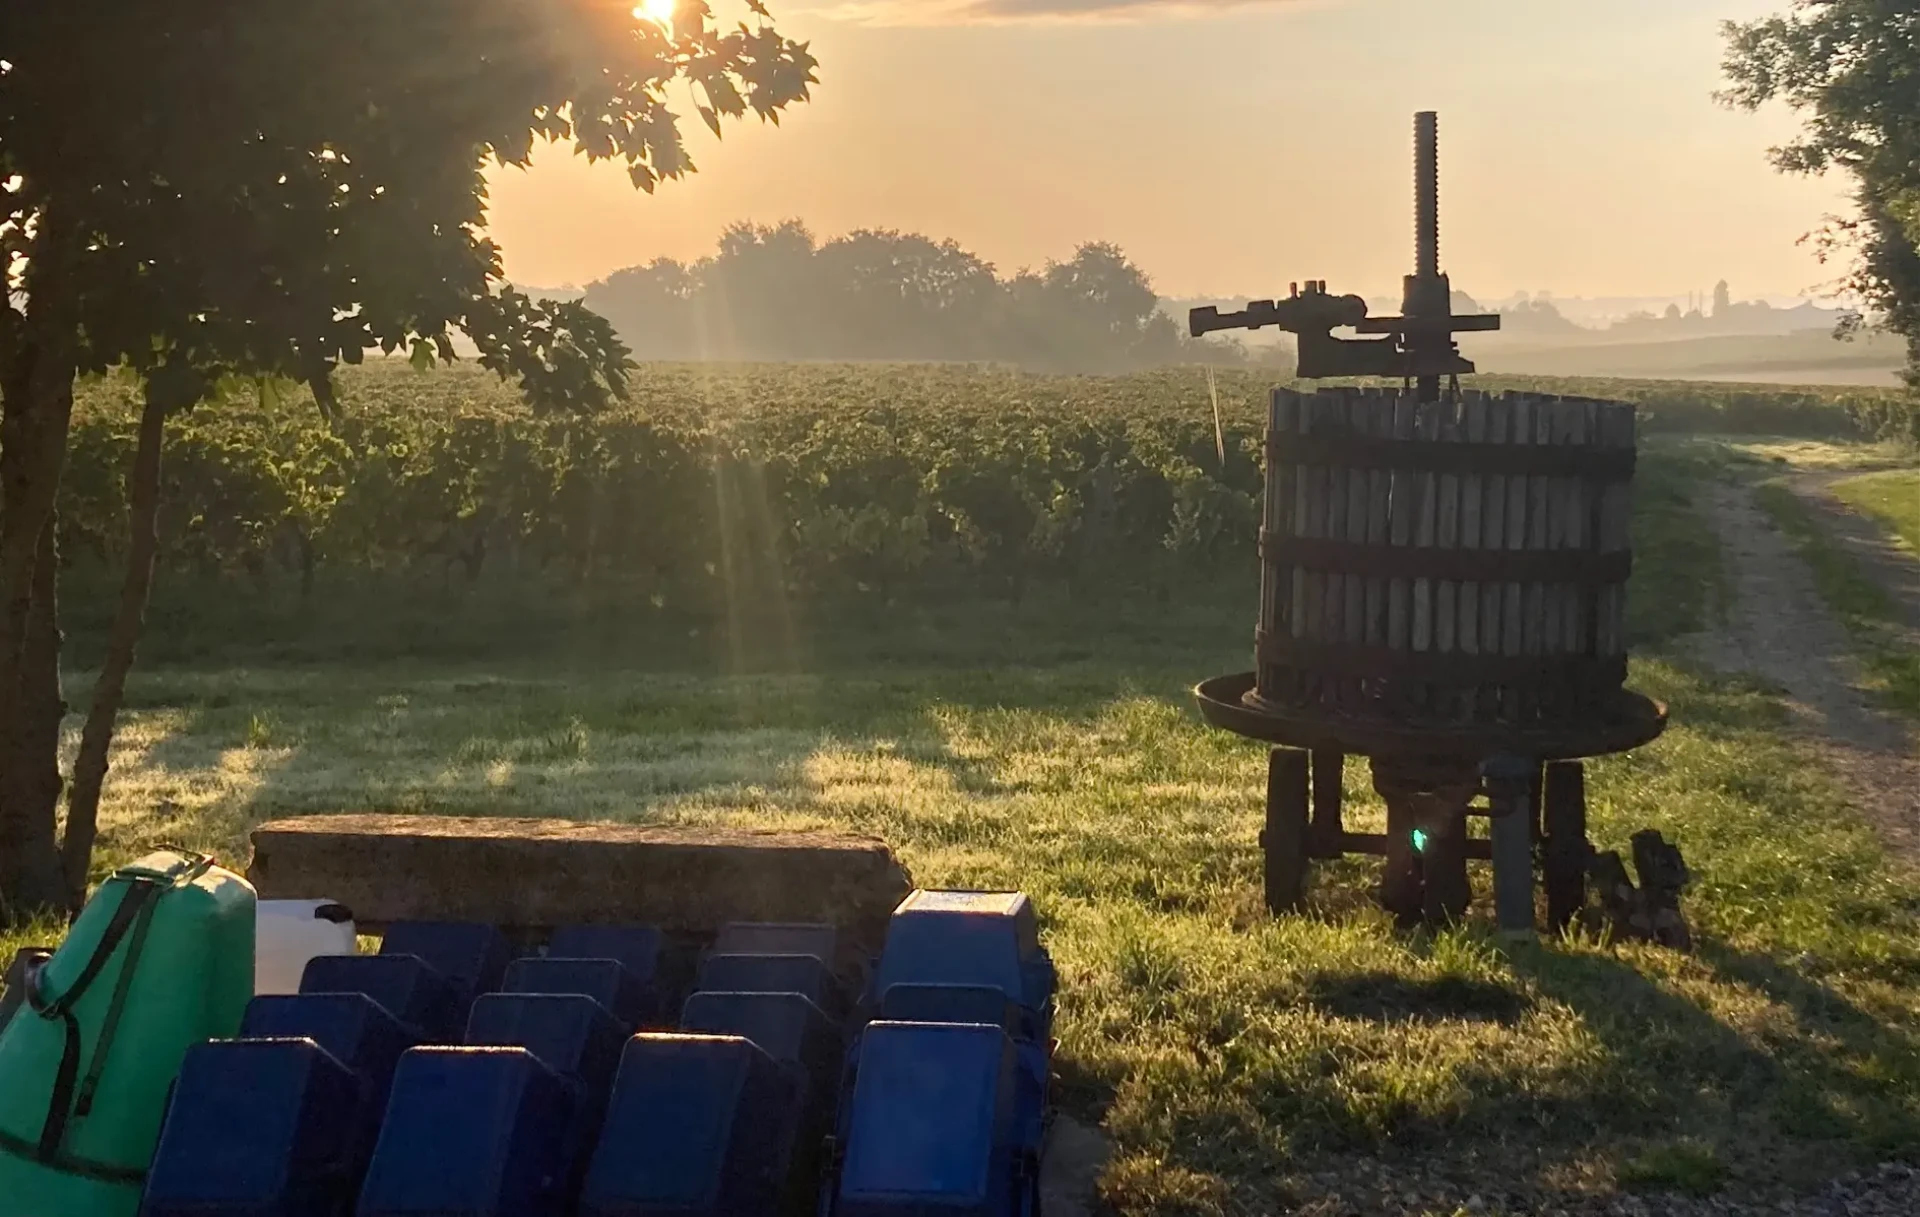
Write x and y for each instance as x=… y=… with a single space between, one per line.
x=1808 y=454
x=1889 y=662
x=1239 y=1062
x=1892 y=497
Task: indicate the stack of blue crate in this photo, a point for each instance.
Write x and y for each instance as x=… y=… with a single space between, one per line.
x=352 y=1098
x=445 y=1077
x=946 y=1107
x=729 y=1114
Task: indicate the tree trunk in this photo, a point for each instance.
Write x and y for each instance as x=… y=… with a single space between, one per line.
x=96 y=737
x=32 y=449
x=30 y=877
x=36 y=408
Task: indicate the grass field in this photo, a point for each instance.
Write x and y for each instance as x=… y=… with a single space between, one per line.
x=1237 y=1061
x=1806 y=357
x=1890 y=666
x=1892 y=497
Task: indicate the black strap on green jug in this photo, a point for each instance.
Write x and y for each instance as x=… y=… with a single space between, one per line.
x=193 y=866
x=110 y=1025
x=135 y=906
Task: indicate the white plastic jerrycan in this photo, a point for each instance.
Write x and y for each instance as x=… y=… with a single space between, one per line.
x=288 y=933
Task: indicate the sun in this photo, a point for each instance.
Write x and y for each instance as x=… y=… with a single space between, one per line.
x=657 y=11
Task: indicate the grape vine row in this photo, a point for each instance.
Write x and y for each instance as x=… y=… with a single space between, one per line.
x=818 y=479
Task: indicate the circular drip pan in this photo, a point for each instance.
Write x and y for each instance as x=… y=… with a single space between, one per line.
x=1627 y=721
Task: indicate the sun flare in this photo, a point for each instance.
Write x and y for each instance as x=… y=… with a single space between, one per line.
x=659 y=11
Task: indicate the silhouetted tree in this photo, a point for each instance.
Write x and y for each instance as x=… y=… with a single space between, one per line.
x=1539 y=317
x=269 y=187
x=1849 y=67
x=657 y=303
x=775 y=293
x=760 y=292
x=904 y=296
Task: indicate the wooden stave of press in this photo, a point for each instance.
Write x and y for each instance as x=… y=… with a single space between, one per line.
x=1461 y=563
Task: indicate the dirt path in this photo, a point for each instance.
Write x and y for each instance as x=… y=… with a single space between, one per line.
x=1779 y=630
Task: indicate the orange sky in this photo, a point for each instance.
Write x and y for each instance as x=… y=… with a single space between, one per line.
x=1230 y=148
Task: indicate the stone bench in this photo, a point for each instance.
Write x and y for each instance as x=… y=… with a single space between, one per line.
x=530 y=875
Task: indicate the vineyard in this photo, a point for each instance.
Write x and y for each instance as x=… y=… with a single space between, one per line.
x=1234 y=1063
x=950 y=594
x=816 y=480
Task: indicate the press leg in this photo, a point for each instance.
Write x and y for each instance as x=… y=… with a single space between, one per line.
x=1402 y=891
x=1513 y=868
x=1445 y=868
x=1426 y=871
x=1565 y=850
x=1323 y=835
x=1285 y=837
x=1536 y=800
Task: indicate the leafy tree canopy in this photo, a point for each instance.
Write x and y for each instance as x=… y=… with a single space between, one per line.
x=1851 y=68
x=777 y=293
x=273 y=187
x=281 y=185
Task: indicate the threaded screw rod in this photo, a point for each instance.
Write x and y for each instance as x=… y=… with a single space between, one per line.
x=1426 y=193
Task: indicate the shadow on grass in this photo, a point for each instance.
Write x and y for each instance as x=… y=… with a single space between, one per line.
x=1386 y=997
x=1866 y=1088
x=1810 y=1086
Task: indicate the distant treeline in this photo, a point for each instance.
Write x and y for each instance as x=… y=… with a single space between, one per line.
x=1539 y=317
x=777 y=293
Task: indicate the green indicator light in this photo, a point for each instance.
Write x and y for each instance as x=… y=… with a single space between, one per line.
x=1420 y=840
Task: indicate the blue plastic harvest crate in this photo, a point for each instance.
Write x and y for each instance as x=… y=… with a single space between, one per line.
x=473 y=957
x=628 y=999
x=806 y=975
x=989 y=939
x=357 y=1031
x=638 y=947
x=405 y=986
x=472 y=1132
x=571 y=1034
x=962 y=1003
x=698 y=1126
x=936 y=1126
x=990 y=1007
x=778 y=938
x=786 y=1026
x=258 y=1128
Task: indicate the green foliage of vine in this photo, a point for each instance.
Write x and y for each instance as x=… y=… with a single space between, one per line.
x=816 y=480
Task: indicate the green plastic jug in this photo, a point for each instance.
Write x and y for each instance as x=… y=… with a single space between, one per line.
x=159 y=960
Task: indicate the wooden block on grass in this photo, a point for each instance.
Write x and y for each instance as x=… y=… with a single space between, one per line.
x=526 y=874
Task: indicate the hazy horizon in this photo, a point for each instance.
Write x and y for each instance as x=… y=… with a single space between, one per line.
x=1234 y=147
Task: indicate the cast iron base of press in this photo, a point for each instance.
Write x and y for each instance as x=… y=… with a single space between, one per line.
x=1528 y=781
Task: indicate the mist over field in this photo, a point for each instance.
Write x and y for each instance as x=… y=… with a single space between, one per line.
x=785 y=293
